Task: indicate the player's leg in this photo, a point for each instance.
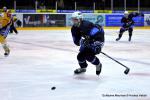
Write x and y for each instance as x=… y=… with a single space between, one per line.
x=3 y=35
x=82 y=62
x=6 y=48
x=4 y=45
x=90 y=56
x=14 y=28
x=122 y=30
x=11 y=29
x=130 y=33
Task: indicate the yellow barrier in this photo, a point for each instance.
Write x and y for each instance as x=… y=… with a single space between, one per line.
x=103 y=11
x=12 y=10
x=45 y=11
x=54 y=11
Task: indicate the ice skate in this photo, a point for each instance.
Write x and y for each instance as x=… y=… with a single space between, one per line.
x=80 y=70
x=7 y=52
x=98 y=68
x=118 y=39
x=129 y=39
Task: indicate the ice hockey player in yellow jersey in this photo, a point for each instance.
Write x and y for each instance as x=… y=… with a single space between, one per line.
x=5 y=22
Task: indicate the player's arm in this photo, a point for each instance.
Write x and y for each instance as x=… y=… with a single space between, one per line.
x=135 y=14
x=97 y=33
x=97 y=37
x=76 y=37
x=126 y=24
x=122 y=20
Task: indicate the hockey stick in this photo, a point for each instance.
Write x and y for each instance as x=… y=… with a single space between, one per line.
x=127 y=69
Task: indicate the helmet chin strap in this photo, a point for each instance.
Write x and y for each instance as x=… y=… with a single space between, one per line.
x=77 y=24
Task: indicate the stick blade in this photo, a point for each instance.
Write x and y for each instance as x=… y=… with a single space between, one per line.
x=127 y=71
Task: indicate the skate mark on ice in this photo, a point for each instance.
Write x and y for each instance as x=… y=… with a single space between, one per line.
x=69 y=50
x=87 y=77
x=140 y=74
x=39 y=45
x=135 y=61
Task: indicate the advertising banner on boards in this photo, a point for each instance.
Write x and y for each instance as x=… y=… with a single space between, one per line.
x=44 y=20
x=95 y=18
x=115 y=20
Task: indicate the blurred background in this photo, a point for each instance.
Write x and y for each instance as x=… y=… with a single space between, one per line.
x=57 y=13
x=91 y=5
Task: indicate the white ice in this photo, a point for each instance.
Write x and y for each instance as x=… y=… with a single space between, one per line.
x=40 y=60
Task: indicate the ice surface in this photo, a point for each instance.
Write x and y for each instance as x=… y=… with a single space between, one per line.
x=40 y=60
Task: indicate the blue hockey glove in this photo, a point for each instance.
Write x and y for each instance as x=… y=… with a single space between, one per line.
x=96 y=46
x=84 y=43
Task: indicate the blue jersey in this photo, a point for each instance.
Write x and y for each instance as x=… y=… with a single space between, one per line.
x=87 y=30
x=128 y=21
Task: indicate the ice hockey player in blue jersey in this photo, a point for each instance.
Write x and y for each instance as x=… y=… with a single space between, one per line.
x=127 y=24
x=90 y=38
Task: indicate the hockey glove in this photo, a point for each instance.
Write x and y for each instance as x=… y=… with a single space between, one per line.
x=96 y=46
x=84 y=43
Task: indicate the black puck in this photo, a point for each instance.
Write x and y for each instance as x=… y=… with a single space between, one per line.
x=53 y=88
